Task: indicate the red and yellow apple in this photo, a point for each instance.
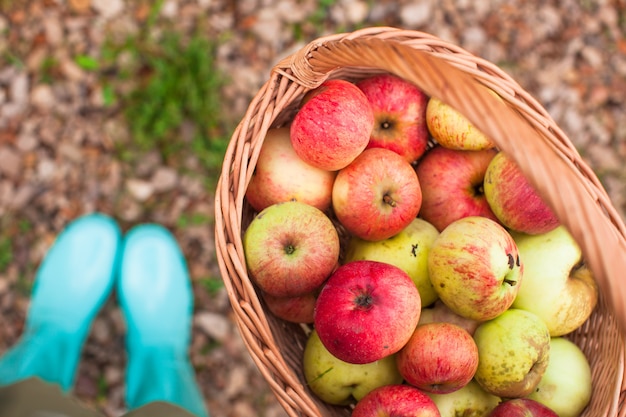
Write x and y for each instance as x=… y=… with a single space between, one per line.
x=281 y=175
x=291 y=248
x=522 y=407
x=438 y=358
x=475 y=268
x=377 y=195
x=452 y=185
x=399 y=115
x=398 y=400
x=513 y=200
x=296 y=309
x=333 y=125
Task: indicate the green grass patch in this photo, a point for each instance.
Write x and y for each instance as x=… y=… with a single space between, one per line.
x=212 y=285
x=176 y=104
x=6 y=253
x=193 y=219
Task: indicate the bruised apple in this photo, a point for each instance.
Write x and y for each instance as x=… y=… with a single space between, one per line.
x=558 y=286
x=513 y=353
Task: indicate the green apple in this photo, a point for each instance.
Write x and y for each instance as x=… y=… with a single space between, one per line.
x=341 y=383
x=470 y=401
x=557 y=285
x=513 y=353
x=408 y=250
x=566 y=384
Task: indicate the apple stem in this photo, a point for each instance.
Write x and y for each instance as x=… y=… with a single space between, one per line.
x=578 y=266
x=289 y=249
x=388 y=200
x=511 y=282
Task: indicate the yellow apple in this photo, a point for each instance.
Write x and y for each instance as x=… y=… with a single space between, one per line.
x=566 y=384
x=408 y=250
x=470 y=401
x=341 y=383
x=452 y=130
x=513 y=353
x=557 y=285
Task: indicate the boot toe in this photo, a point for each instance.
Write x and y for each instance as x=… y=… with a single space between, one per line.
x=78 y=272
x=154 y=288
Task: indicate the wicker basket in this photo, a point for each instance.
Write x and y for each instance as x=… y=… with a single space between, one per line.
x=518 y=125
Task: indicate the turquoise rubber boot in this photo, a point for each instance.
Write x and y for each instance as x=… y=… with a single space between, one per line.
x=157 y=301
x=72 y=283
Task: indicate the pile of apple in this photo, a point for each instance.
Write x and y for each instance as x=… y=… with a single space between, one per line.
x=433 y=278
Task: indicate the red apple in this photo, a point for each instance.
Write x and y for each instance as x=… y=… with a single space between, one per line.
x=291 y=248
x=297 y=309
x=377 y=195
x=399 y=115
x=513 y=199
x=366 y=310
x=439 y=358
x=522 y=407
x=475 y=268
x=396 y=400
x=452 y=185
x=440 y=312
x=281 y=175
x=333 y=125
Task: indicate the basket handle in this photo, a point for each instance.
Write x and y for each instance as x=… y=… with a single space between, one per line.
x=591 y=219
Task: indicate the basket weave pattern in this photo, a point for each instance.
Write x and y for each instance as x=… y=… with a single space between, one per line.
x=517 y=124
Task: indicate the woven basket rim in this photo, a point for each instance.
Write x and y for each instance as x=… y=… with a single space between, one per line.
x=268 y=341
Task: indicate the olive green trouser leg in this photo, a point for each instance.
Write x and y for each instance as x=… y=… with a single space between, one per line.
x=34 y=398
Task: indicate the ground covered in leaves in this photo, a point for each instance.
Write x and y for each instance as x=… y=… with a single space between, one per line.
x=125 y=106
